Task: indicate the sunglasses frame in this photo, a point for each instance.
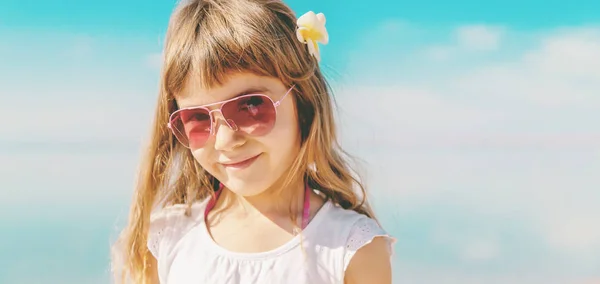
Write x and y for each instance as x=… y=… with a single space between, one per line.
x=219 y=110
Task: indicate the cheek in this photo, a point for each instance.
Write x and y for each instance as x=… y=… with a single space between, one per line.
x=203 y=157
x=285 y=133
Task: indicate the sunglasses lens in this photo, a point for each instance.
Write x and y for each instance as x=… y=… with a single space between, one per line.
x=254 y=115
x=191 y=127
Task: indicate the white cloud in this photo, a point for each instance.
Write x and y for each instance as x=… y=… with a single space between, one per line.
x=393 y=26
x=479 y=37
x=481 y=250
x=79 y=121
x=70 y=131
x=81 y=46
x=571 y=54
x=562 y=72
x=438 y=53
x=574 y=234
x=472 y=246
x=69 y=176
x=385 y=108
x=466 y=42
x=513 y=136
x=83 y=98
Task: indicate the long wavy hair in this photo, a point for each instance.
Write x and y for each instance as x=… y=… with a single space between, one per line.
x=210 y=39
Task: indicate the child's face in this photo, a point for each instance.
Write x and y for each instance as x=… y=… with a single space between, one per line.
x=270 y=154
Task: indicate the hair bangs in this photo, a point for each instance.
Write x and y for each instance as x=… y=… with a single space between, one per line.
x=230 y=39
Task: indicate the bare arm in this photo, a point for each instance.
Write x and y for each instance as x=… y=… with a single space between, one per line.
x=153 y=271
x=371 y=264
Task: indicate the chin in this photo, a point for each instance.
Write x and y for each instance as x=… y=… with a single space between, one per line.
x=246 y=188
x=249 y=181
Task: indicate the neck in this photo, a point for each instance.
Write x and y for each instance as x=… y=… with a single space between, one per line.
x=273 y=201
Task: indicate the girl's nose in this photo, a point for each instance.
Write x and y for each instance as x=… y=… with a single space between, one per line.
x=226 y=138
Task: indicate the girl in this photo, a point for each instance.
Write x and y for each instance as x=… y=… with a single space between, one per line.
x=244 y=180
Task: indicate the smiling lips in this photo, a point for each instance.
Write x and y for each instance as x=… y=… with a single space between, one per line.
x=241 y=164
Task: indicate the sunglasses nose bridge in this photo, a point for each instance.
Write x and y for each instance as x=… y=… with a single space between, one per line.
x=229 y=122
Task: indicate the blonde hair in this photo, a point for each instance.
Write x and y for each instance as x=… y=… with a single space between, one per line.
x=210 y=39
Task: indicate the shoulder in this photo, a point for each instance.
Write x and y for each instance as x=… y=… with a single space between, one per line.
x=371 y=263
x=366 y=234
x=367 y=247
x=169 y=224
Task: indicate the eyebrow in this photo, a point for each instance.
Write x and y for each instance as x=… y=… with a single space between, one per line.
x=246 y=91
x=250 y=90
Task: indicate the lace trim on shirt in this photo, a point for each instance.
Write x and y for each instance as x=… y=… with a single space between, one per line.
x=362 y=234
x=164 y=224
x=154 y=239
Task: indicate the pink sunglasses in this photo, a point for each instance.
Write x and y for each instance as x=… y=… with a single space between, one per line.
x=254 y=114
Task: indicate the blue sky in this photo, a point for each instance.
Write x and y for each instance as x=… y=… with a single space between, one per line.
x=481 y=140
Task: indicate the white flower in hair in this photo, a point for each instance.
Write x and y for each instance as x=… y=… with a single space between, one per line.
x=311 y=30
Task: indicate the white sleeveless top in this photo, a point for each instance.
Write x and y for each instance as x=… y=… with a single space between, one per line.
x=186 y=253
